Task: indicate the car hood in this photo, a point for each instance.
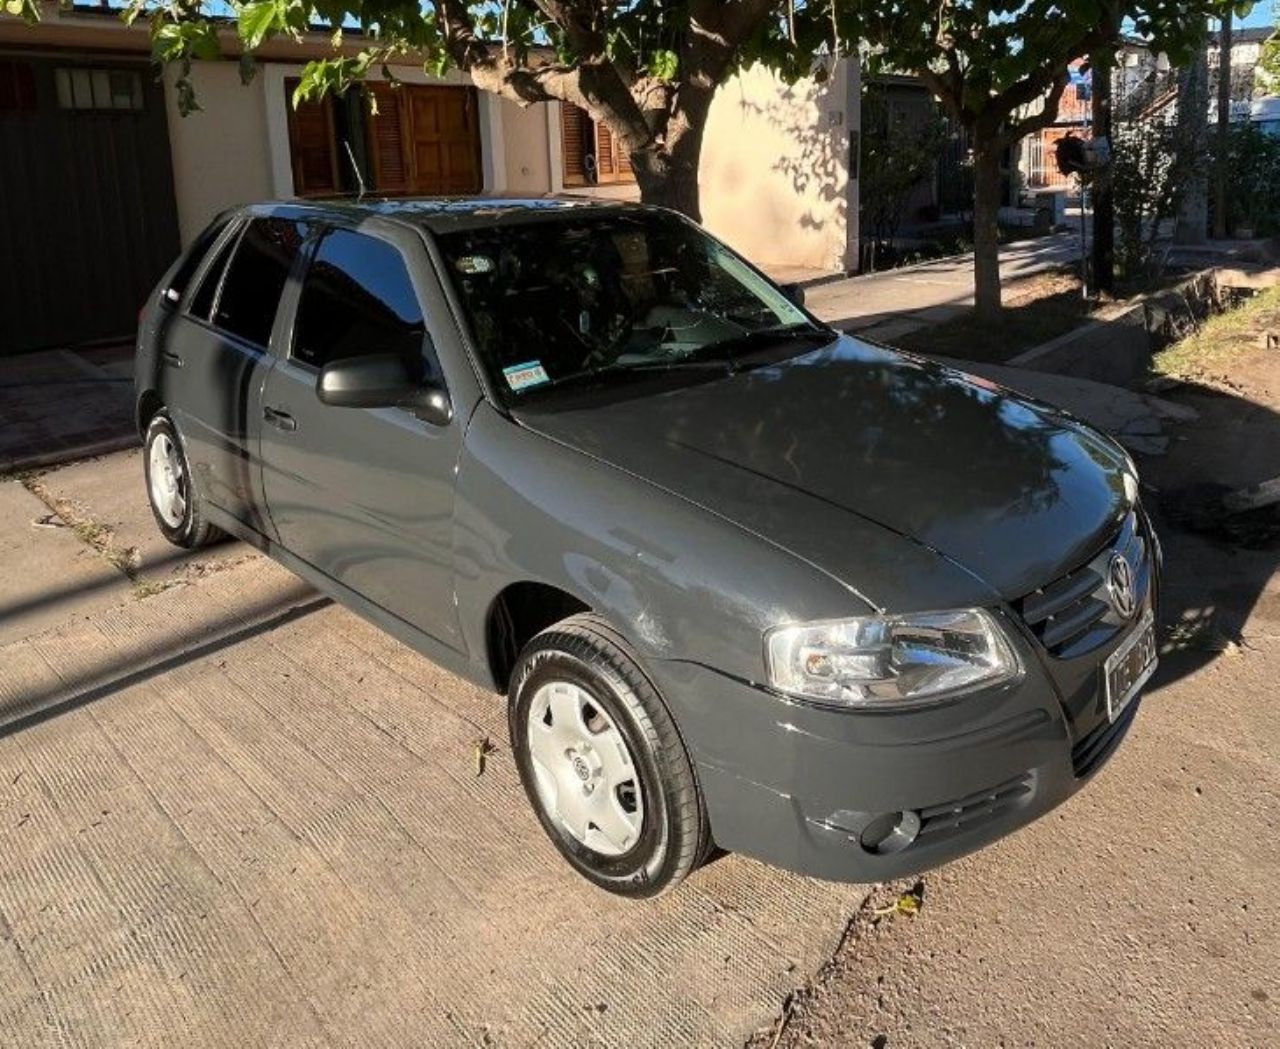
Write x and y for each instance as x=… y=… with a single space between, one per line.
x=1014 y=491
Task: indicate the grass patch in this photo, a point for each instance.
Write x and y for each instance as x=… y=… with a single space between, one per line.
x=1036 y=310
x=1222 y=339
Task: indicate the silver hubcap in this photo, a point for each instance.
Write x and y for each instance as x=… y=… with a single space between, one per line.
x=586 y=778
x=167 y=481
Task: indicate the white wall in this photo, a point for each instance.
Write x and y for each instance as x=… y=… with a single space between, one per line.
x=219 y=154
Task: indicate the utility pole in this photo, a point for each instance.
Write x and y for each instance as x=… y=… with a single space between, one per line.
x=1101 y=63
x=1220 y=187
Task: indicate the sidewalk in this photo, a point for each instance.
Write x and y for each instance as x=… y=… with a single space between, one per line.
x=57 y=405
x=888 y=305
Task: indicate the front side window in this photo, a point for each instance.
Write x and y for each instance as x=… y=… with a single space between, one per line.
x=357 y=300
x=250 y=293
x=613 y=298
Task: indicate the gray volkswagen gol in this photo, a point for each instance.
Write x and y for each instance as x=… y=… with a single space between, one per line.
x=743 y=580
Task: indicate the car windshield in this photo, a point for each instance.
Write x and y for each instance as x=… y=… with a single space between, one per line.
x=584 y=301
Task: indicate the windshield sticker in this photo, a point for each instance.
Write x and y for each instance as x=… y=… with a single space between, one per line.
x=522 y=376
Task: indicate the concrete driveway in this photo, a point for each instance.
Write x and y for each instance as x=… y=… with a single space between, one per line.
x=233 y=814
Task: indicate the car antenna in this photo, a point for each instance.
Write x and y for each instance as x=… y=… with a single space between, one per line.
x=356 y=169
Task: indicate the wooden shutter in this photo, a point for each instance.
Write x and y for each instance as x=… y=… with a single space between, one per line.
x=389 y=139
x=606 y=155
x=574 y=127
x=312 y=151
x=581 y=136
x=444 y=133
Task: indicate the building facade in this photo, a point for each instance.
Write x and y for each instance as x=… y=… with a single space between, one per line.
x=102 y=181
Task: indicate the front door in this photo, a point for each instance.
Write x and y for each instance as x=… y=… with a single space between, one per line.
x=363 y=495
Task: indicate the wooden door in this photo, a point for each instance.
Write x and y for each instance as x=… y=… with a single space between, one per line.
x=445 y=139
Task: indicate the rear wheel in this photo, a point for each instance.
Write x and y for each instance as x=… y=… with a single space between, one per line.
x=171 y=489
x=602 y=762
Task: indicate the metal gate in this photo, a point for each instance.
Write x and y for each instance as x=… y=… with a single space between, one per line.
x=88 y=220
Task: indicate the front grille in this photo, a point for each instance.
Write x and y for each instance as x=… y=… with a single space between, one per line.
x=1090 y=752
x=942 y=821
x=1073 y=615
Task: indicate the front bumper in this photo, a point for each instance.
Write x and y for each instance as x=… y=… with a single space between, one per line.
x=801 y=787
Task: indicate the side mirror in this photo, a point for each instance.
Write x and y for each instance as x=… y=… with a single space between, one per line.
x=381 y=380
x=795 y=293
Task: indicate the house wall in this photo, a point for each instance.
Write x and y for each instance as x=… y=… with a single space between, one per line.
x=776 y=181
x=526 y=146
x=776 y=175
x=218 y=154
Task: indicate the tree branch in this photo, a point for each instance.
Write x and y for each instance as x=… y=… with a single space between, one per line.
x=1019 y=129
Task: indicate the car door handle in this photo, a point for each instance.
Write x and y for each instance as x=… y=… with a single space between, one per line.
x=280 y=420
x=171 y=359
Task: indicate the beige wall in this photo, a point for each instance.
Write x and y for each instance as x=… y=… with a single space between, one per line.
x=775 y=169
x=524 y=133
x=220 y=155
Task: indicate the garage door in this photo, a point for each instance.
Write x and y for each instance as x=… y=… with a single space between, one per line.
x=88 y=221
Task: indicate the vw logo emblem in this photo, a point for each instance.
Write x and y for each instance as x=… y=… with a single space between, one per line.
x=1120 y=586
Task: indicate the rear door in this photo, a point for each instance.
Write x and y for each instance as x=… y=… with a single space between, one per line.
x=214 y=357
x=363 y=495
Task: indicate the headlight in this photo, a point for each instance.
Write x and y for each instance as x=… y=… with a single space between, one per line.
x=877 y=661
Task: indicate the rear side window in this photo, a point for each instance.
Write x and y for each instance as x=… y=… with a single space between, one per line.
x=357 y=299
x=205 y=296
x=250 y=292
x=191 y=261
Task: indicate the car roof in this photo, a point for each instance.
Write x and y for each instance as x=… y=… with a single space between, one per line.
x=447 y=214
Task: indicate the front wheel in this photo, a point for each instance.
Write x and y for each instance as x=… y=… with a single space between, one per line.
x=602 y=762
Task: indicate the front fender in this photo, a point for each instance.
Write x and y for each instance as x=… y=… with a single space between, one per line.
x=678 y=581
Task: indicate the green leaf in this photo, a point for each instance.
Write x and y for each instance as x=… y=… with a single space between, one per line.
x=256 y=21
x=664 y=65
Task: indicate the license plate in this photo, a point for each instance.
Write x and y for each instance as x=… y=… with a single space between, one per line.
x=1130 y=666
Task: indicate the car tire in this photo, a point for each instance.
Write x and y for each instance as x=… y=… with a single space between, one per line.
x=650 y=831
x=171 y=487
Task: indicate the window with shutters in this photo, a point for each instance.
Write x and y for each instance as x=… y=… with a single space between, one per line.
x=404 y=138
x=591 y=154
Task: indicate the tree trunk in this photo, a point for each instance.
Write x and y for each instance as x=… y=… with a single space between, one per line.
x=986 y=227
x=1224 y=130
x=668 y=184
x=1193 y=142
x=668 y=176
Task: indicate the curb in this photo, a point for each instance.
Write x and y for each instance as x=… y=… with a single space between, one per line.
x=67 y=455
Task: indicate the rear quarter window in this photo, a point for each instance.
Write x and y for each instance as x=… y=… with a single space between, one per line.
x=177 y=285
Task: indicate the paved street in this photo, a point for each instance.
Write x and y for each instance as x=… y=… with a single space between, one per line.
x=233 y=814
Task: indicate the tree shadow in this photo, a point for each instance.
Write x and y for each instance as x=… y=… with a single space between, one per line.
x=1220 y=593
x=819 y=162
